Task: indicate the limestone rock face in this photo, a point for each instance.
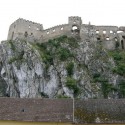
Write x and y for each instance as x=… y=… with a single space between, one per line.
x=63 y=67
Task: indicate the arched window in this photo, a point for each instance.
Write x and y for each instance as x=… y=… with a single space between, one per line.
x=97 y=31
x=37 y=28
x=74 y=28
x=104 y=32
x=107 y=38
x=61 y=28
x=119 y=31
x=111 y=31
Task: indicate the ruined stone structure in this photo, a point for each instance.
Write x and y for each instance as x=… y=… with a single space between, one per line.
x=111 y=36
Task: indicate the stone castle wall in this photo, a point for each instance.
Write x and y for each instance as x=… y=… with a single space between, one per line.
x=109 y=34
x=56 y=31
x=99 y=111
x=22 y=27
x=63 y=110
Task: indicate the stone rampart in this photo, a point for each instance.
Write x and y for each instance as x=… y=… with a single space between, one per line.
x=100 y=111
x=64 y=29
x=22 y=28
x=63 y=110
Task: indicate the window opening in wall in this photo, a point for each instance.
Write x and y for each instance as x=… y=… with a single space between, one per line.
x=111 y=31
x=104 y=32
x=119 y=31
x=97 y=31
x=98 y=38
x=53 y=30
x=29 y=26
x=47 y=32
x=61 y=28
x=122 y=44
x=37 y=29
x=74 y=28
x=107 y=38
x=26 y=34
x=123 y=37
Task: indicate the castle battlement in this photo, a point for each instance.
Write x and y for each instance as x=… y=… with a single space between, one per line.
x=22 y=28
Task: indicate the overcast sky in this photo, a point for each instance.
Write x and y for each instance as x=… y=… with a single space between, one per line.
x=54 y=12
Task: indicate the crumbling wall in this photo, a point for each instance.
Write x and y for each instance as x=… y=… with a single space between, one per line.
x=110 y=35
x=56 y=31
x=75 y=20
x=87 y=31
x=64 y=29
x=114 y=29
x=24 y=28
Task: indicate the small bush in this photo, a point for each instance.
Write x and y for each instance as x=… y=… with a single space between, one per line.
x=16 y=58
x=106 y=88
x=47 y=58
x=100 y=79
x=12 y=45
x=62 y=38
x=122 y=89
x=41 y=45
x=72 y=42
x=69 y=68
x=119 y=58
x=119 y=69
x=96 y=75
x=117 y=55
x=72 y=84
x=64 y=54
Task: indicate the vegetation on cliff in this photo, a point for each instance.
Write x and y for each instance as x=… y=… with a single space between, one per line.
x=63 y=67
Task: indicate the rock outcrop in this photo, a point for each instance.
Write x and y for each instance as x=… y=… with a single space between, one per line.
x=60 y=68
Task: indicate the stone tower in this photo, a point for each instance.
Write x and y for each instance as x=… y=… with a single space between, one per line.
x=75 y=23
x=23 y=28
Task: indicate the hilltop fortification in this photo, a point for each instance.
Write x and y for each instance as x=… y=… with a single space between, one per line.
x=109 y=35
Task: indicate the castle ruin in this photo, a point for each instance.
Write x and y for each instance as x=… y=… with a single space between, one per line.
x=111 y=36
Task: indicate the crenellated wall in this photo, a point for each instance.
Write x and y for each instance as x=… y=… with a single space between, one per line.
x=22 y=28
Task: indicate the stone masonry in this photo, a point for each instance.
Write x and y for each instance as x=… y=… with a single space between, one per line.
x=63 y=110
x=110 y=35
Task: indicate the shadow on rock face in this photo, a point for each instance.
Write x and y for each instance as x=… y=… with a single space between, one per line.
x=3 y=87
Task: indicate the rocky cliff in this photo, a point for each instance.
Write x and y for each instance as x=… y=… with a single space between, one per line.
x=61 y=68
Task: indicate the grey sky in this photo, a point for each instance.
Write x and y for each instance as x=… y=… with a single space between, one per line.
x=54 y=12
